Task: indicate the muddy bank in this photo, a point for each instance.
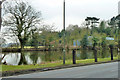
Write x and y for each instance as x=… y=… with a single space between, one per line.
x=30 y=49
x=46 y=49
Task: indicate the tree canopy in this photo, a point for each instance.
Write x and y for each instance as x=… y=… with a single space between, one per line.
x=20 y=18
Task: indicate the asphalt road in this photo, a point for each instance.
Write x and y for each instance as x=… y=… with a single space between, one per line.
x=107 y=70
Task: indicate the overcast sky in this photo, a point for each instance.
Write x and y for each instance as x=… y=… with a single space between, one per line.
x=76 y=10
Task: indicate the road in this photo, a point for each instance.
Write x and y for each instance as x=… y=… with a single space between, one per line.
x=107 y=70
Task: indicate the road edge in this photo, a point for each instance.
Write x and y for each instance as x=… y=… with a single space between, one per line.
x=19 y=72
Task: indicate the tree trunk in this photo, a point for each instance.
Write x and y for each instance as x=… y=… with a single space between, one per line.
x=21 y=44
x=2 y=58
x=22 y=47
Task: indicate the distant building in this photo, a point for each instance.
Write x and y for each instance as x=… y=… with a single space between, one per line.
x=109 y=38
x=118 y=7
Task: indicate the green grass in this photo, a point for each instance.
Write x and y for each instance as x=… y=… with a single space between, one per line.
x=27 y=47
x=25 y=67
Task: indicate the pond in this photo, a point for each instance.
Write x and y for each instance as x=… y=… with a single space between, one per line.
x=39 y=57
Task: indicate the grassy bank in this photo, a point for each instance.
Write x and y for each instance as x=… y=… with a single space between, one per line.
x=46 y=65
x=42 y=48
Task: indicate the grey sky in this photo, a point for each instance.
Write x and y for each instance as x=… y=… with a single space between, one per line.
x=76 y=10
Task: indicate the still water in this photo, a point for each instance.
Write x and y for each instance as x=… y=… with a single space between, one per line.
x=39 y=57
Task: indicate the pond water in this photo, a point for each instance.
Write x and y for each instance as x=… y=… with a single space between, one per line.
x=38 y=57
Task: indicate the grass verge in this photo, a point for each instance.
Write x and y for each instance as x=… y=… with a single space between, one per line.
x=4 y=68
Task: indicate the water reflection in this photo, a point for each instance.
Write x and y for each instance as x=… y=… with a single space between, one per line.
x=104 y=53
x=84 y=54
x=39 y=57
x=22 y=59
x=11 y=58
x=35 y=58
x=48 y=56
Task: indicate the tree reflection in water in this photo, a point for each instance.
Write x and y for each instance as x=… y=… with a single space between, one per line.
x=84 y=54
x=12 y=59
x=22 y=59
x=37 y=57
x=103 y=53
x=34 y=57
x=48 y=56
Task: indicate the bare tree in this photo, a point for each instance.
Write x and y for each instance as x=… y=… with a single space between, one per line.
x=20 y=18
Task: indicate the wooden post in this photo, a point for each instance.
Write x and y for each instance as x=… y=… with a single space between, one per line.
x=111 y=51
x=95 y=55
x=74 y=57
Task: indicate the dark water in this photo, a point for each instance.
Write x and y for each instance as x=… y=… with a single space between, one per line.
x=39 y=57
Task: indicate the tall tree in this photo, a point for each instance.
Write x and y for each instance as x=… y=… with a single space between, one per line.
x=20 y=18
x=116 y=22
x=84 y=42
x=34 y=39
x=95 y=42
x=92 y=20
x=102 y=27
